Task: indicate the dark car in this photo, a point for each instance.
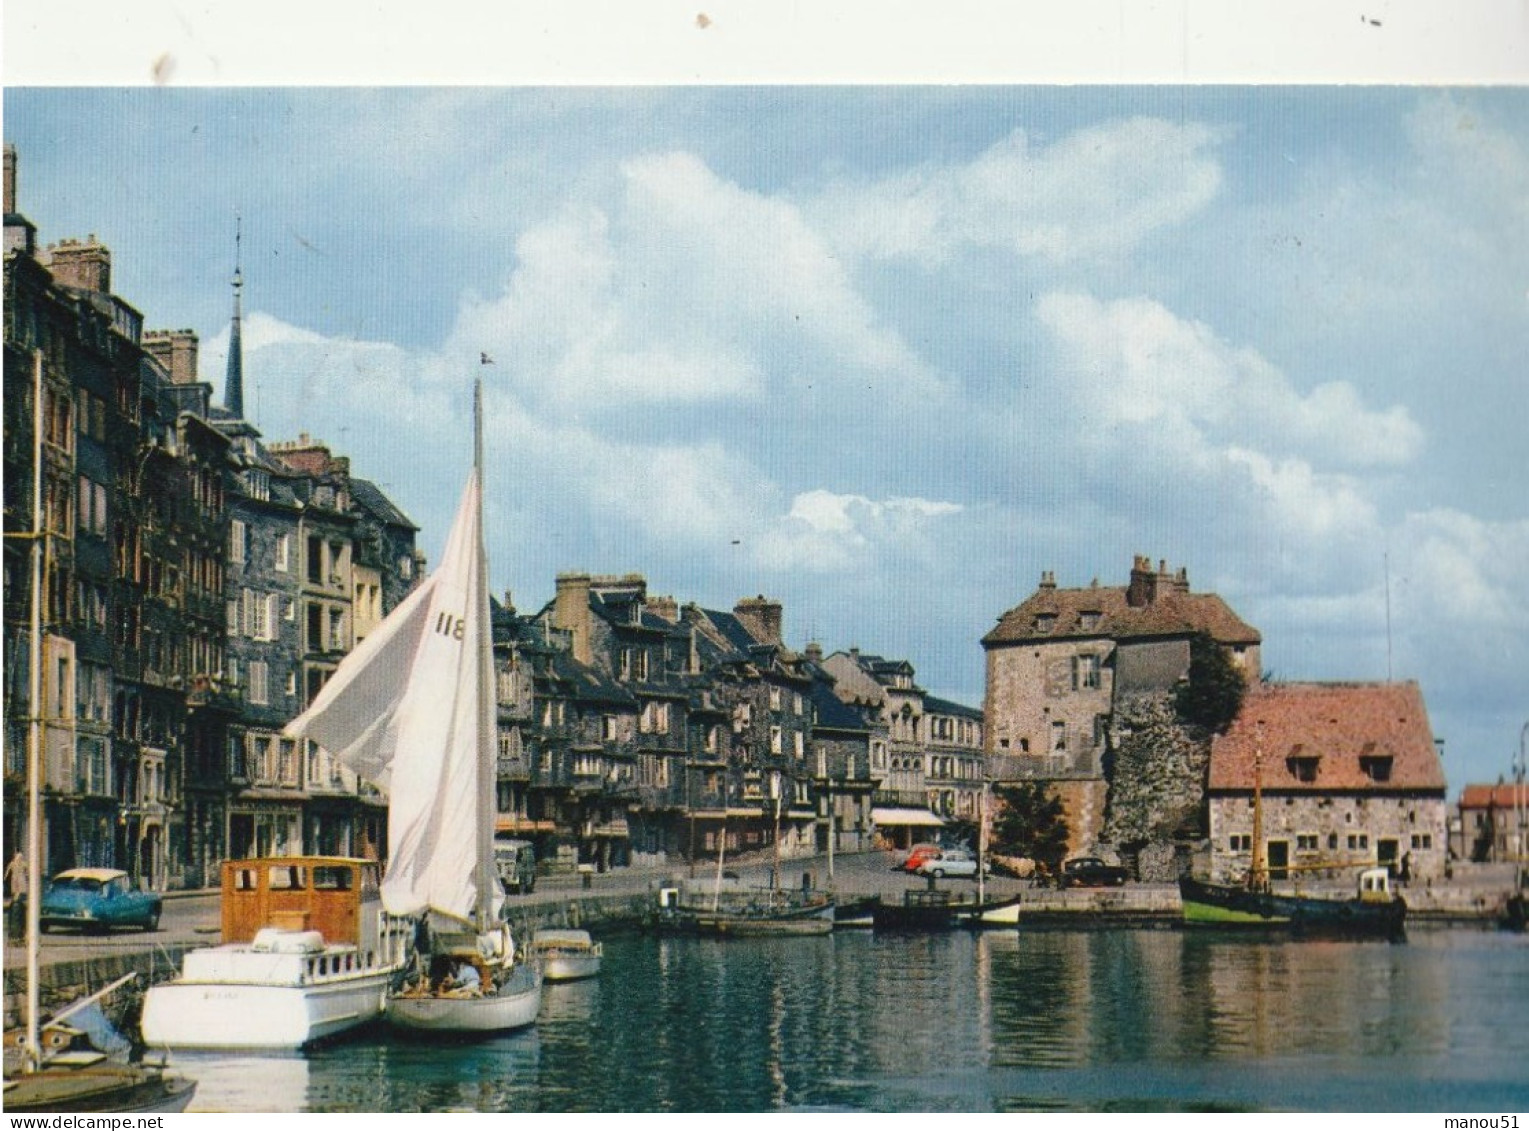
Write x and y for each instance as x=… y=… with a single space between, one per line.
x=97 y=899
x=1091 y=872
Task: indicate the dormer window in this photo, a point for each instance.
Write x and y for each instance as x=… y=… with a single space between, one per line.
x=1088 y=621
x=1303 y=767
x=1045 y=622
x=1376 y=767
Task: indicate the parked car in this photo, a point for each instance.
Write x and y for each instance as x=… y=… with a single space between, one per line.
x=949 y=862
x=916 y=856
x=98 y=899
x=1091 y=872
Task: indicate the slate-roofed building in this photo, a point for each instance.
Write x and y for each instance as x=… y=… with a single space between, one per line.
x=1061 y=663
x=1348 y=775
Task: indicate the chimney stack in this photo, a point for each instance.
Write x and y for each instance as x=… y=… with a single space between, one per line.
x=83 y=265
x=762 y=617
x=176 y=350
x=1048 y=579
x=570 y=612
x=1143 y=587
x=666 y=608
x=10 y=180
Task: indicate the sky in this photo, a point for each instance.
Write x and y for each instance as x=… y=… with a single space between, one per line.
x=883 y=352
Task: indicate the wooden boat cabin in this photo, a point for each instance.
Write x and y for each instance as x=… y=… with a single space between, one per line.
x=302 y=893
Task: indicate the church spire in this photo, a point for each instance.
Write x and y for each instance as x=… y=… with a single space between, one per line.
x=233 y=387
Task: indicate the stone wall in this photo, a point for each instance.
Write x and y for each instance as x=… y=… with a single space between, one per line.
x=1157 y=784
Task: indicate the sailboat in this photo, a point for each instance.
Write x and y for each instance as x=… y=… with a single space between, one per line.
x=50 y=1066
x=412 y=709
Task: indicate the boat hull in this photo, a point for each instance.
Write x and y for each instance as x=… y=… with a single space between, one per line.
x=999 y=913
x=127 y=1089
x=745 y=928
x=569 y=967
x=200 y=1015
x=514 y=1006
x=1221 y=905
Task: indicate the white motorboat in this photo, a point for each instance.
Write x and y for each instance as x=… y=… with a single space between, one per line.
x=565 y=955
x=308 y=953
x=413 y=710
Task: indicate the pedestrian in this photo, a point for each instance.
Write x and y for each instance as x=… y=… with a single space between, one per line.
x=16 y=882
x=1406 y=867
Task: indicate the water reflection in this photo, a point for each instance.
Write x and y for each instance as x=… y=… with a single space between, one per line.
x=1068 y=1020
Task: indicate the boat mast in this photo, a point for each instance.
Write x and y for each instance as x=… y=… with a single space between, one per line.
x=488 y=713
x=33 y=1050
x=1258 y=878
x=981 y=838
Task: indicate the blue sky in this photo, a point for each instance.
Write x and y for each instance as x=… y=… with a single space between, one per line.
x=886 y=353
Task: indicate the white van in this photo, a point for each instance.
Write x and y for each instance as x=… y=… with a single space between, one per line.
x=515 y=860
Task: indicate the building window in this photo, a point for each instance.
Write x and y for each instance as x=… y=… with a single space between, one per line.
x=608 y=728
x=774 y=698
x=260 y=693
x=1303 y=768
x=1306 y=842
x=238 y=541
x=1240 y=842
x=1058 y=736
x=1088 y=621
x=283 y=553
x=1376 y=767
x=1358 y=842
x=1085 y=673
x=775 y=740
x=797 y=741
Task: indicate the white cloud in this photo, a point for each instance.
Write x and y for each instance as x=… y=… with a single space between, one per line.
x=1136 y=363
x=1091 y=194
x=825 y=532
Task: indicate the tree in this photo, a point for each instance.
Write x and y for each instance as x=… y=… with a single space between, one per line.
x=1030 y=822
x=1213 y=694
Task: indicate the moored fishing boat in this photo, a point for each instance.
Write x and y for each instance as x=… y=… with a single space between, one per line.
x=413 y=710
x=1374 y=911
x=566 y=955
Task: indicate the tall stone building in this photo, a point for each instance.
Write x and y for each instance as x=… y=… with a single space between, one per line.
x=1064 y=661
x=132 y=507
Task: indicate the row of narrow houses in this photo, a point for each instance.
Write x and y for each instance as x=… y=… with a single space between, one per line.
x=201 y=583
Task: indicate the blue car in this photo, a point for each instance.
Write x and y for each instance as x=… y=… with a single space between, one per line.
x=98 y=899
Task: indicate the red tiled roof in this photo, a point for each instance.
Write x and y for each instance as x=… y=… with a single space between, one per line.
x=1176 y=613
x=1499 y=796
x=1344 y=726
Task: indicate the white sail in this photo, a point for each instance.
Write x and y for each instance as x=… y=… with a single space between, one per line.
x=408 y=710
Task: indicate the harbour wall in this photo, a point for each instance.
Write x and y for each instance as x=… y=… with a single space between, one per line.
x=67 y=980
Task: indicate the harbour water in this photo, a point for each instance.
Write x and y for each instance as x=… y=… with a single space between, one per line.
x=1120 y=1020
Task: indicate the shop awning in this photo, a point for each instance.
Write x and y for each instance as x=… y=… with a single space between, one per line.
x=920 y=817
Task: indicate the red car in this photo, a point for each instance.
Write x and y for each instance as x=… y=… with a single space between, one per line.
x=917 y=855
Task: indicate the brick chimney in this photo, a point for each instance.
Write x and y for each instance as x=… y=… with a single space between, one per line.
x=666 y=608
x=176 y=350
x=10 y=180
x=815 y=651
x=570 y=612
x=1048 y=579
x=1143 y=587
x=85 y=265
x=761 y=616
